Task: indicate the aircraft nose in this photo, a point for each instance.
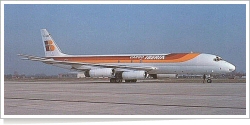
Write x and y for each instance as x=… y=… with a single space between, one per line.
x=231 y=67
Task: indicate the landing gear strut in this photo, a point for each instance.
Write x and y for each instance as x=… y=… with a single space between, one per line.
x=114 y=80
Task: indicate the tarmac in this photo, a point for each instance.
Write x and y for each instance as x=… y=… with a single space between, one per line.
x=141 y=98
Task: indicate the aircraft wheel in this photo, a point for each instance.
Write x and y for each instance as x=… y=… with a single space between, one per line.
x=118 y=80
x=209 y=80
x=112 y=80
x=134 y=80
x=127 y=80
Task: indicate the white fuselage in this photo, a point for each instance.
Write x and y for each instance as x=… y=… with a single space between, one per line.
x=202 y=64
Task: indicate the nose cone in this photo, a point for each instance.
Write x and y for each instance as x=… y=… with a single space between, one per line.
x=231 y=67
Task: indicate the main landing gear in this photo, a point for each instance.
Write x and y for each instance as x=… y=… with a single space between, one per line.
x=133 y=80
x=115 y=80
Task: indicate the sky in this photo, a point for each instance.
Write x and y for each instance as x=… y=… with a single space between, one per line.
x=218 y=29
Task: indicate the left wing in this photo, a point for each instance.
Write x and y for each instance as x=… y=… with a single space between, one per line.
x=78 y=64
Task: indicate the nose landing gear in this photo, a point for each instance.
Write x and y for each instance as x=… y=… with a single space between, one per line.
x=209 y=80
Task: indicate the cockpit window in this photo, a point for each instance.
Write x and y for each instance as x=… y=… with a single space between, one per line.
x=217 y=58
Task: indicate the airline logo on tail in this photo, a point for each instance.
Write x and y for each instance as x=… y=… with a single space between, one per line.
x=49 y=46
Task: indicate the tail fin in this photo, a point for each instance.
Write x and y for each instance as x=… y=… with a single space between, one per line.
x=50 y=46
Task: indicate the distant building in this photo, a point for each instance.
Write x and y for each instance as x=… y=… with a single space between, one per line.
x=71 y=75
x=80 y=75
x=189 y=76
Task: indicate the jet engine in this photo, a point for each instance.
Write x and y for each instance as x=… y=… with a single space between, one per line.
x=134 y=75
x=102 y=72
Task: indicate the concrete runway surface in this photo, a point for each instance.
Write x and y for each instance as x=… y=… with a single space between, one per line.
x=103 y=98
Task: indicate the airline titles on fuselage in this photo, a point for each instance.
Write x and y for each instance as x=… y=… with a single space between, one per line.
x=150 y=57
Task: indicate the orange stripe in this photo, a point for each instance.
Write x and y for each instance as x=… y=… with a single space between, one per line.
x=171 y=58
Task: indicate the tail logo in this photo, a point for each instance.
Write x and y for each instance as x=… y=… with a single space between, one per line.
x=49 y=45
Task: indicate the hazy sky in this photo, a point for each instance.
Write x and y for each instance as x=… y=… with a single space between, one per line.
x=121 y=29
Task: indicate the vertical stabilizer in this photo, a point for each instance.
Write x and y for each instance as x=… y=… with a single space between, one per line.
x=50 y=46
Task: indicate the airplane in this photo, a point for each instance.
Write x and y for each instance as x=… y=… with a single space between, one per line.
x=132 y=67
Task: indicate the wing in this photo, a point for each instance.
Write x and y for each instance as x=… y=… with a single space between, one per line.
x=76 y=65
